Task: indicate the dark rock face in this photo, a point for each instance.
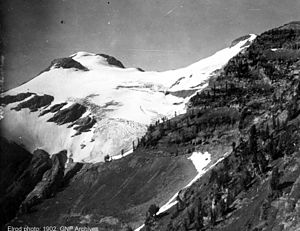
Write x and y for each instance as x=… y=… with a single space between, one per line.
x=295 y=25
x=13 y=161
x=177 y=81
x=182 y=93
x=68 y=115
x=140 y=69
x=66 y=63
x=71 y=115
x=53 y=109
x=112 y=60
x=24 y=177
x=8 y=99
x=70 y=171
x=51 y=181
x=84 y=124
x=35 y=103
x=242 y=38
x=27 y=179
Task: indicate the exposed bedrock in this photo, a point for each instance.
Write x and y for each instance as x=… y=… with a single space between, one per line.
x=8 y=99
x=68 y=115
x=35 y=103
x=112 y=60
x=182 y=93
x=242 y=38
x=51 y=181
x=13 y=160
x=66 y=63
x=70 y=171
x=18 y=179
x=84 y=124
x=53 y=109
x=27 y=179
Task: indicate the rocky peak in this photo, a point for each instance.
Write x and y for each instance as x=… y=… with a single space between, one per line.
x=294 y=25
x=112 y=60
x=239 y=39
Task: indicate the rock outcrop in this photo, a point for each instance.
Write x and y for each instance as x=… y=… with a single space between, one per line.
x=27 y=175
x=66 y=63
x=35 y=103
x=53 y=109
x=112 y=60
x=8 y=99
x=27 y=179
x=51 y=181
x=68 y=115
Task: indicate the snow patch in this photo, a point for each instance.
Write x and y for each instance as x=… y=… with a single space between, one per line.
x=200 y=162
x=121 y=156
x=139 y=228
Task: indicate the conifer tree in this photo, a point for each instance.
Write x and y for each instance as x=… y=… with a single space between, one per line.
x=107 y=158
x=253 y=140
x=278 y=123
x=275 y=178
x=153 y=209
x=267 y=131
x=274 y=122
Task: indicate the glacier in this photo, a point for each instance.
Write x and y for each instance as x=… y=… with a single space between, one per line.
x=123 y=102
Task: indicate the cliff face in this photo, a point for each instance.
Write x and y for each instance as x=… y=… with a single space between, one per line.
x=51 y=181
x=20 y=172
x=28 y=179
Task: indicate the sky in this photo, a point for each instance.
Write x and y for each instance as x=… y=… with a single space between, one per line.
x=155 y=35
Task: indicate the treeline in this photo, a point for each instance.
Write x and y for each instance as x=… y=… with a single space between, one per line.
x=193 y=128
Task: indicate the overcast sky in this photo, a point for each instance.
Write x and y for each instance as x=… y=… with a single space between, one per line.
x=151 y=34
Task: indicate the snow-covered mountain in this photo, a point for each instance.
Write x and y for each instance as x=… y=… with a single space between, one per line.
x=91 y=105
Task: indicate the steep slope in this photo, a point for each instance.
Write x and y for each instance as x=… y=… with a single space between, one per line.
x=28 y=179
x=110 y=195
x=90 y=105
x=253 y=106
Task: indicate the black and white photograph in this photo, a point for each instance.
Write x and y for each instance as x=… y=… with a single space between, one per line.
x=150 y=115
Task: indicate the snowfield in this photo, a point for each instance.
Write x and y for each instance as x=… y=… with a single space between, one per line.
x=124 y=101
